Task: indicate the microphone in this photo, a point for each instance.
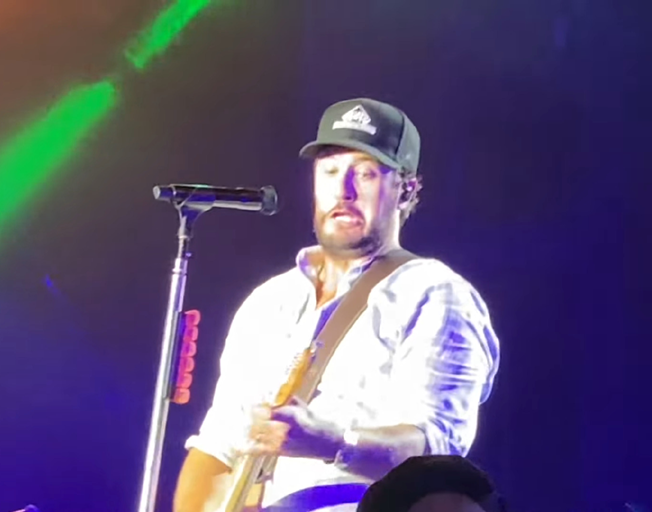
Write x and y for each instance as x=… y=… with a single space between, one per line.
x=205 y=197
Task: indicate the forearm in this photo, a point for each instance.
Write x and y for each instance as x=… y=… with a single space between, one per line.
x=202 y=480
x=377 y=450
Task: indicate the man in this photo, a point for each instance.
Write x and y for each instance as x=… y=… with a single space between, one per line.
x=433 y=484
x=407 y=379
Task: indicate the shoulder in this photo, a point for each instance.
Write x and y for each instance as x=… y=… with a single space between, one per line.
x=431 y=269
x=435 y=298
x=424 y=273
x=430 y=279
x=274 y=290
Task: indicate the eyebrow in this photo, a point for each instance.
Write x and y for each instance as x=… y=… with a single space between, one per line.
x=356 y=160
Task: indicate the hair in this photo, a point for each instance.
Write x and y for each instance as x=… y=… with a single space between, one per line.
x=407 y=194
x=419 y=477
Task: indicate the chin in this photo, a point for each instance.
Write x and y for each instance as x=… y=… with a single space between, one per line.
x=348 y=247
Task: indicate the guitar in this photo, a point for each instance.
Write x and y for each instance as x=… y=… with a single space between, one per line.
x=245 y=492
x=317 y=498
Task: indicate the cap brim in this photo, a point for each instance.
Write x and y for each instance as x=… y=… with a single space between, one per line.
x=311 y=150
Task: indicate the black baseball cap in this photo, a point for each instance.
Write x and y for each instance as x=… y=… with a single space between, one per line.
x=367 y=125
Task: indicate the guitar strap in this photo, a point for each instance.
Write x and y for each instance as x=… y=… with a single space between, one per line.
x=350 y=307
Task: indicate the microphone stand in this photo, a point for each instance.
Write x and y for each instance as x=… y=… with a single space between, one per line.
x=188 y=214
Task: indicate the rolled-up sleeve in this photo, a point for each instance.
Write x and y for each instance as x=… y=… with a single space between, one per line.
x=444 y=368
x=224 y=425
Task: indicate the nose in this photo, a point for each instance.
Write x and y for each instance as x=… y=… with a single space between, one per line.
x=348 y=192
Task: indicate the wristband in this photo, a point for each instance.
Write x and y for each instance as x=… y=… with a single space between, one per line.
x=346 y=452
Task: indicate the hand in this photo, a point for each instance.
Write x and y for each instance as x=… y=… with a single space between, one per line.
x=293 y=431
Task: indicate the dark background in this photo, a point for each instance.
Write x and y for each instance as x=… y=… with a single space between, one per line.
x=534 y=119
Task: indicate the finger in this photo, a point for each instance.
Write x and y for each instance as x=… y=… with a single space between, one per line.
x=286 y=413
x=271 y=429
x=268 y=443
x=274 y=436
x=263 y=449
x=254 y=448
x=261 y=412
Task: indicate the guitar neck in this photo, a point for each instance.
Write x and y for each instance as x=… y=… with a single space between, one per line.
x=245 y=474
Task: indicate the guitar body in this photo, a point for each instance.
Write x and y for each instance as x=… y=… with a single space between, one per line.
x=318 y=498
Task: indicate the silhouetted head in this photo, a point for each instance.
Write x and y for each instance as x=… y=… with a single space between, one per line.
x=434 y=483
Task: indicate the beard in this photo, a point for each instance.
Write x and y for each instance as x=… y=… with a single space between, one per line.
x=348 y=246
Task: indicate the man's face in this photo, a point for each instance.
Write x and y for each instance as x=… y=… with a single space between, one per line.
x=445 y=502
x=356 y=203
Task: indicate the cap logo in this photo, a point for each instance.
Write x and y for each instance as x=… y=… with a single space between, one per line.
x=356 y=119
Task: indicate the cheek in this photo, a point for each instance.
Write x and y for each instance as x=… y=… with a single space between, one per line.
x=324 y=199
x=376 y=203
x=321 y=205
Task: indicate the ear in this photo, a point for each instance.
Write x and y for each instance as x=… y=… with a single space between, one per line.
x=409 y=189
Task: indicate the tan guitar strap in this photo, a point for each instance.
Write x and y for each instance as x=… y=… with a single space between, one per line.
x=351 y=306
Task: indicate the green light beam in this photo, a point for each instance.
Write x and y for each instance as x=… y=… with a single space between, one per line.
x=155 y=39
x=27 y=159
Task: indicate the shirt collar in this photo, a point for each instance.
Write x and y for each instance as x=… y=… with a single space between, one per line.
x=309 y=261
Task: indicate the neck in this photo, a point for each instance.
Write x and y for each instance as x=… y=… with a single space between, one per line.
x=335 y=266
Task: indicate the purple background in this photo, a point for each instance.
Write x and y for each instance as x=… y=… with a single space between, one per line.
x=534 y=118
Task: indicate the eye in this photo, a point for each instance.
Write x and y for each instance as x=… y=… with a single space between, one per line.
x=327 y=168
x=366 y=171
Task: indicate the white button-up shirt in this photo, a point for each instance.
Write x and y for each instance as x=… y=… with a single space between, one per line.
x=423 y=353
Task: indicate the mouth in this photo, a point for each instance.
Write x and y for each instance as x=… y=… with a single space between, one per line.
x=346 y=217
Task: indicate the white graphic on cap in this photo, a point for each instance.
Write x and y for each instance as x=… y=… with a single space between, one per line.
x=356 y=119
